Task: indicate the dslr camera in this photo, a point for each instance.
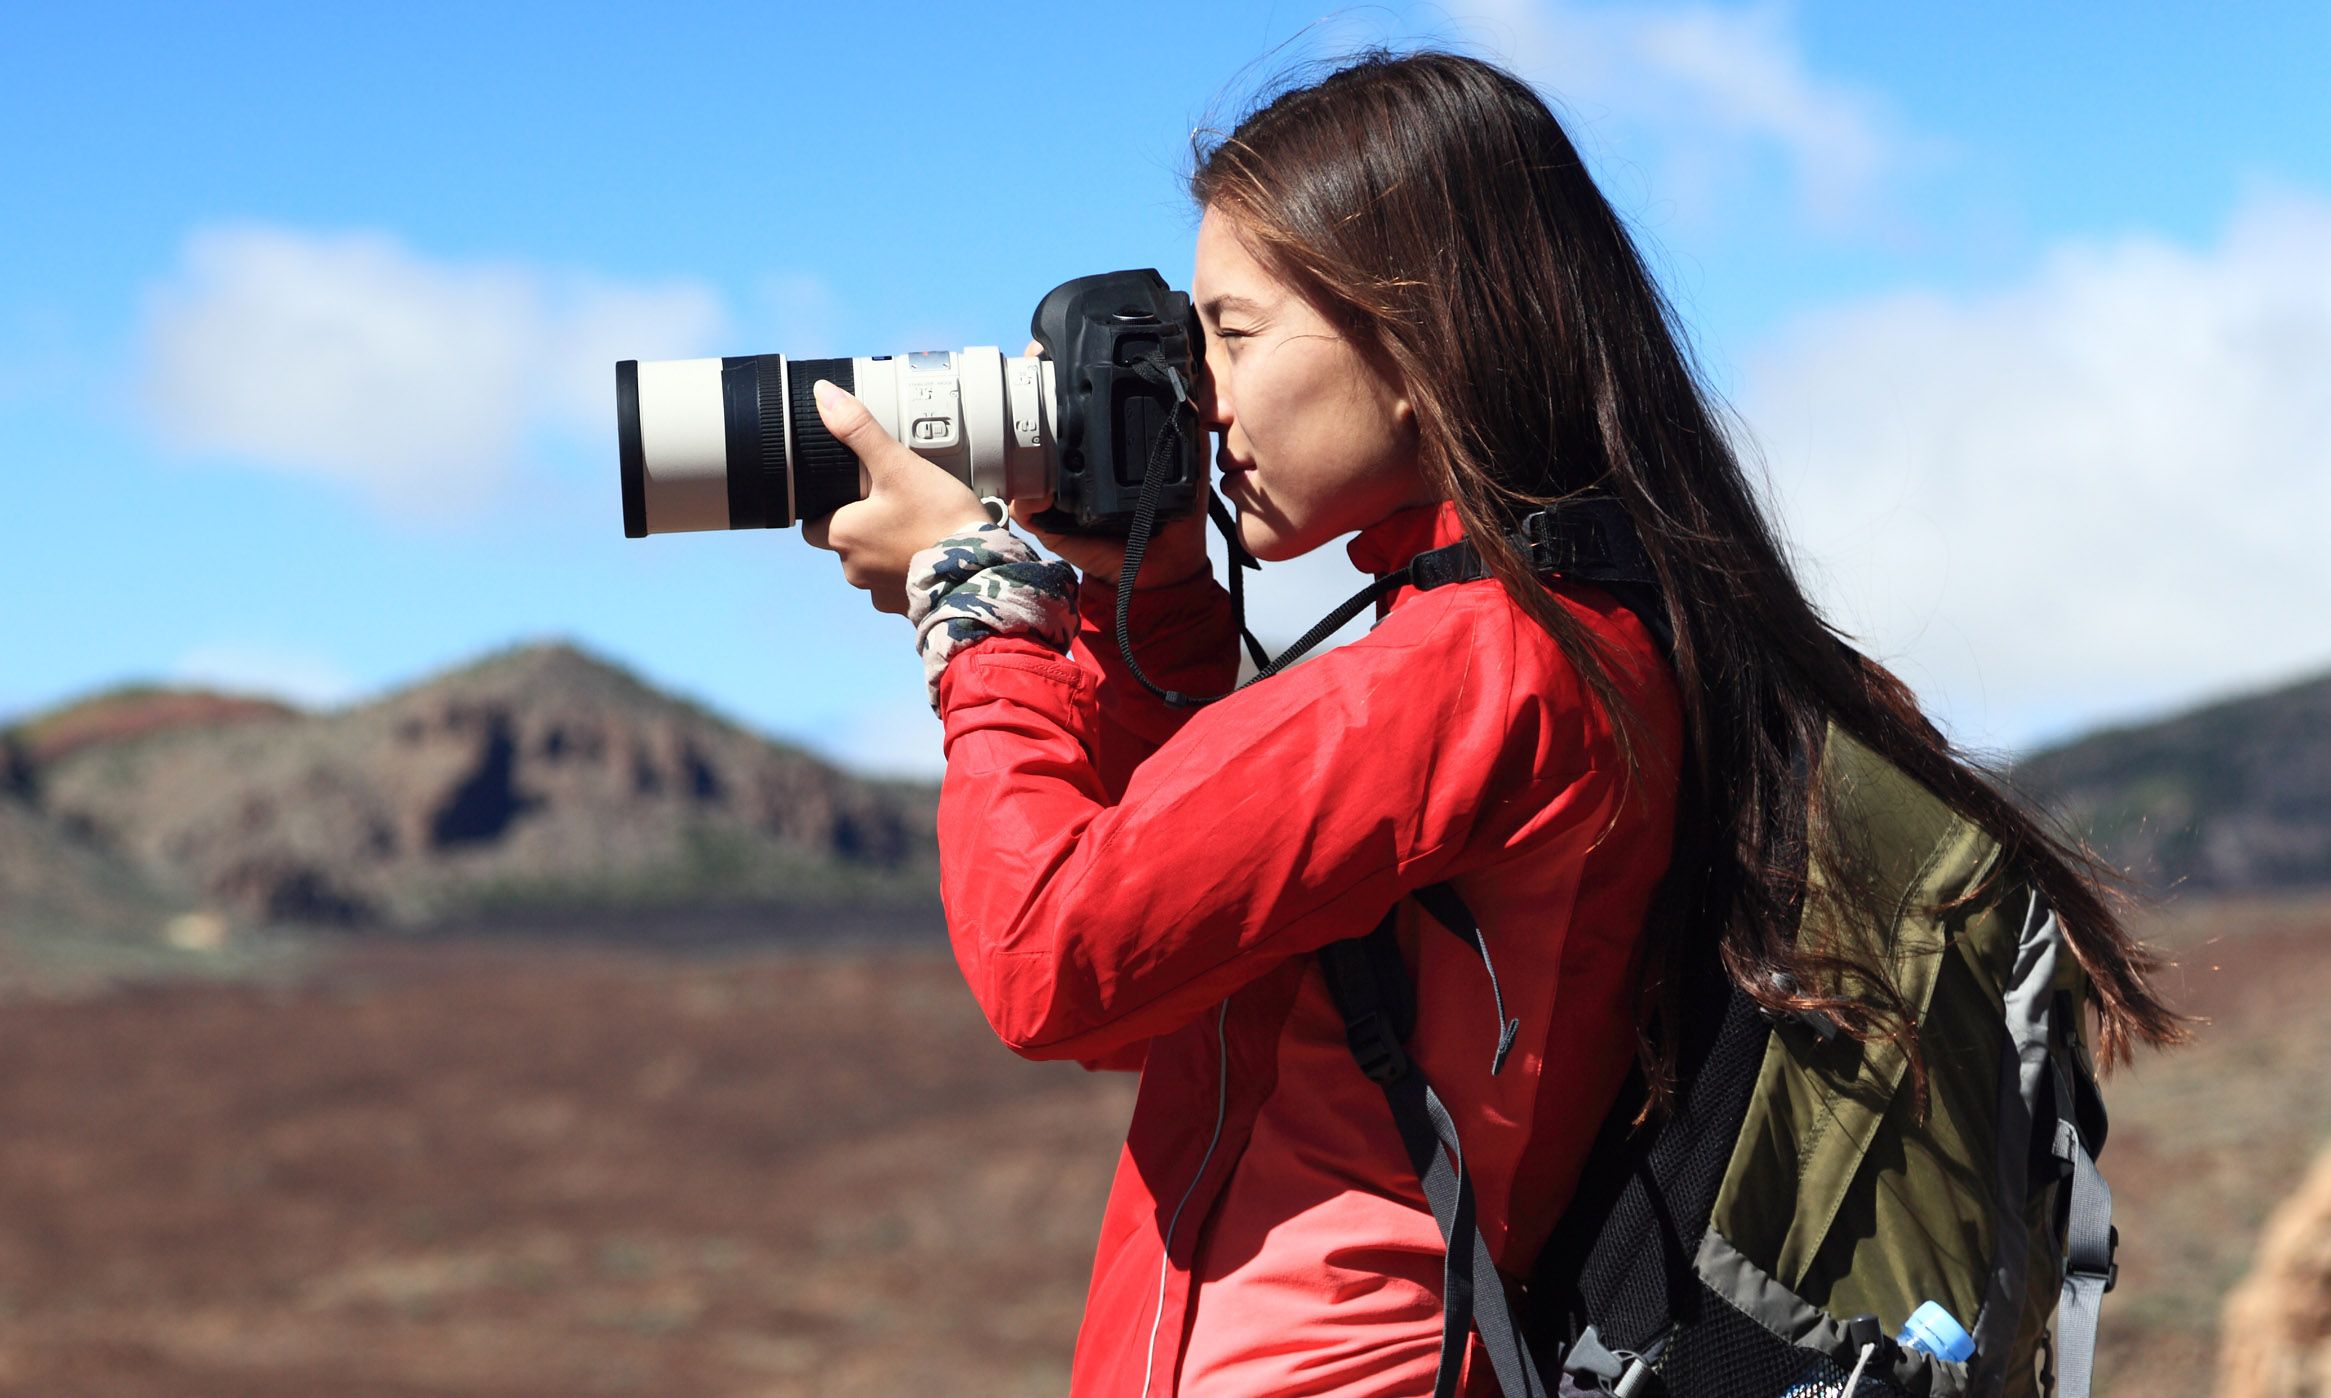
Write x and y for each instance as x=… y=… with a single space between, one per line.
x=736 y=443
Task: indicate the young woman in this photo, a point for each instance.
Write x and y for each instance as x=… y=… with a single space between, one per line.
x=1422 y=322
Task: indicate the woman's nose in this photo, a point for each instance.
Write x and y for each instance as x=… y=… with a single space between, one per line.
x=1207 y=397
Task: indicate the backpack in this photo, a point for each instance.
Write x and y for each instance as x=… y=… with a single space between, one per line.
x=1772 y=1233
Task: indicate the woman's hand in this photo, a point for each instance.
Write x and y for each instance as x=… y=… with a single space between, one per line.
x=911 y=504
x=1176 y=553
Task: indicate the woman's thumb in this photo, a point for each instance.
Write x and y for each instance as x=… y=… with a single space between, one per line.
x=847 y=418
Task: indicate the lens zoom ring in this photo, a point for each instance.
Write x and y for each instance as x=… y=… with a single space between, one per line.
x=825 y=472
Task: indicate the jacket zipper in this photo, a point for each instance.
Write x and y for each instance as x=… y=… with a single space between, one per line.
x=1165 y=1259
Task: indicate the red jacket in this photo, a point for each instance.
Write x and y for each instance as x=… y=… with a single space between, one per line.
x=1135 y=886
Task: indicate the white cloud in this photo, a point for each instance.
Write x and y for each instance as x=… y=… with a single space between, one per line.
x=2096 y=492
x=258 y=667
x=1706 y=92
x=350 y=357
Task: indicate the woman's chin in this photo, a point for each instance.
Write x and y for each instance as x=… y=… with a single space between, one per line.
x=1264 y=542
x=1268 y=537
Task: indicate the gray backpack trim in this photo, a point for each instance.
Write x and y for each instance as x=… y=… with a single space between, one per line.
x=2026 y=1089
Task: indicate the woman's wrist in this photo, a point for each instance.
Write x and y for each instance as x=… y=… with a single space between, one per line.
x=981 y=582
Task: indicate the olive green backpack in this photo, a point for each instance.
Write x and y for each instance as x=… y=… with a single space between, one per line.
x=1772 y=1233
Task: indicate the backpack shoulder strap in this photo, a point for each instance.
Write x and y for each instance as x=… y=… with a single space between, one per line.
x=2089 y=1236
x=1588 y=540
x=1372 y=989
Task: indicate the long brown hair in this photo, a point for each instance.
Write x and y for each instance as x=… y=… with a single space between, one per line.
x=1432 y=207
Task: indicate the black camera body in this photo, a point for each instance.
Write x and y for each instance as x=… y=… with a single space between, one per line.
x=1099 y=332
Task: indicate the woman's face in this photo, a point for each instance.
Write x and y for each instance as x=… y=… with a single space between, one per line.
x=1313 y=442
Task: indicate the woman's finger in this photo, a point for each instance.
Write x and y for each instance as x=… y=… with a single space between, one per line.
x=854 y=427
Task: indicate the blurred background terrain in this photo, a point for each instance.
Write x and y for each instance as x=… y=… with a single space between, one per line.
x=461 y=1042
x=449 y=948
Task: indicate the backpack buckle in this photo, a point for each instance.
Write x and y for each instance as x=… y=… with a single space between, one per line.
x=2111 y=1272
x=1597 y=1368
x=1823 y=1027
x=1376 y=1047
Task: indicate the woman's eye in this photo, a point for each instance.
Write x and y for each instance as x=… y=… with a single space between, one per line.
x=1226 y=333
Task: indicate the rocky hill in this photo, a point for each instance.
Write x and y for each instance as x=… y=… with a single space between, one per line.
x=2235 y=796
x=128 y=712
x=547 y=782
x=51 y=880
x=538 y=778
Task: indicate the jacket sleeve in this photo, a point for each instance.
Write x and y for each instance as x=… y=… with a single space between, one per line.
x=1285 y=817
x=1186 y=640
x=1185 y=637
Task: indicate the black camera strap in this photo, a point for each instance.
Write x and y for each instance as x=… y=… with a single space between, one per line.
x=1588 y=539
x=1163 y=449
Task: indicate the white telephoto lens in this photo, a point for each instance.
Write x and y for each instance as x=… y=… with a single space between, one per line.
x=737 y=443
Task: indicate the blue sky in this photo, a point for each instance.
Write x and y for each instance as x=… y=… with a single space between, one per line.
x=307 y=314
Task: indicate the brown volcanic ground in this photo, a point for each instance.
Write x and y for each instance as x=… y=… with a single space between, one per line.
x=530 y=1169
x=535 y=1170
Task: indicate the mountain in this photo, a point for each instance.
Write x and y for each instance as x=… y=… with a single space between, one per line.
x=2232 y=796
x=545 y=783
x=52 y=881
x=540 y=777
x=127 y=712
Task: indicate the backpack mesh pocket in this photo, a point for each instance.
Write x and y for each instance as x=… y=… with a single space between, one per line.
x=1724 y=1354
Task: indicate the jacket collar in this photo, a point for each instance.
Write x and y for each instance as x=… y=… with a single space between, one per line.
x=1401 y=536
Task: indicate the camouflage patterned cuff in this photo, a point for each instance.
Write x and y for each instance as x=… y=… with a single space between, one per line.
x=985 y=582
